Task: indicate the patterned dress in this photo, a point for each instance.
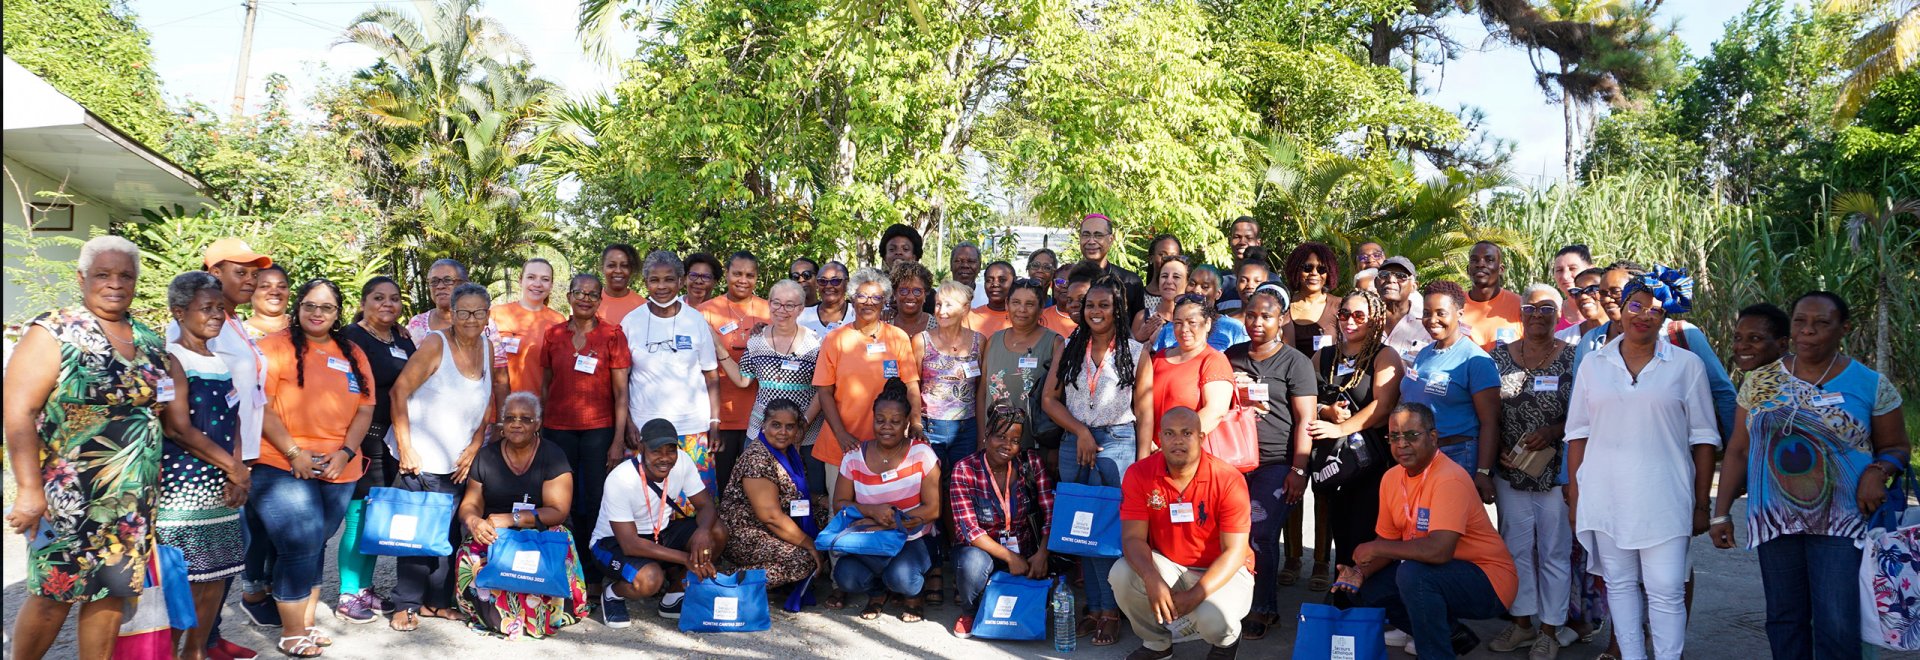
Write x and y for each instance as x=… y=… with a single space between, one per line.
x=100 y=460
x=194 y=515
x=787 y=376
x=749 y=544
x=513 y=615
x=1525 y=406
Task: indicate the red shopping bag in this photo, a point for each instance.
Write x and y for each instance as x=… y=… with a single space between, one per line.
x=1237 y=439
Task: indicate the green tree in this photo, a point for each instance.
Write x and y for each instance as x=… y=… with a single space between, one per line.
x=95 y=52
x=1884 y=50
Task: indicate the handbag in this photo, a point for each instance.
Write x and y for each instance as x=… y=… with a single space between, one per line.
x=1352 y=633
x=407 y=523
x=1086 y=520
x=1012 y=607
x=1890 y=573
x=845 y=533
x=527 y=561
x=175 y=588
x=735 y=602
x=1045 y=432
x=1237 y=439
x=146 y=632
x=1335 y=463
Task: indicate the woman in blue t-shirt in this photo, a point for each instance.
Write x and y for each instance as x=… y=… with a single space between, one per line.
x=1462 y=385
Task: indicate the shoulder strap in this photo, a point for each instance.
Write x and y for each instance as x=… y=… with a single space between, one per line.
x=1677 y=334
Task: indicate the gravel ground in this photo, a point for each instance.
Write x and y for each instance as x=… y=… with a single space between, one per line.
x=1728 y=623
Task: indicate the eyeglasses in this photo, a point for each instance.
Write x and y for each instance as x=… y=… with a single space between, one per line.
x=1636 y=308
x=702 y=277
x=519 y=419
x=868 y=300
x=316 y=308
x=1610 y=293
x=469 y=314
x=1405 y=437
x=442 y=282
x=1357 y=315
x=1541 y=309
x=831 y=281
x=1370 y=256
x=1584 y=290
x=1386 y=276
x=910 y=292
x=585 y=295
x=662 y=345
x=784 y=306
x=1086 y=235
x=1060 y=281
x=1028 y=282
x=800 y=275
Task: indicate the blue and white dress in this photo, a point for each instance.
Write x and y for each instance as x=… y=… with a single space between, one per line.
x=194 y=515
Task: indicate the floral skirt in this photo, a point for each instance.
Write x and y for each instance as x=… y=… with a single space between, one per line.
x=517 y=615
x=697 y=448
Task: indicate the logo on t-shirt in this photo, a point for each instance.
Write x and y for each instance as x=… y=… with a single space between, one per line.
x=1422 y=519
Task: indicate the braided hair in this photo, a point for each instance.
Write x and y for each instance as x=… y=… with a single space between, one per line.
x=1079 y=345
x=1376 y=319
x=299 y=338
x=1003 y=415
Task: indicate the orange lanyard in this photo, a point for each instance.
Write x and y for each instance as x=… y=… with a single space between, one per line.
x=1093 y=375
x=662 y=496
x=1006 y=498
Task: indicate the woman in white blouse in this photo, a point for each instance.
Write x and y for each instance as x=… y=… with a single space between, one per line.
x=1641 y=436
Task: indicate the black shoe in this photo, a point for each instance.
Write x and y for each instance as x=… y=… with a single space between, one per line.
x=1464 y=641
x=1144 y=653
x=1228 y=652
x=264 y=613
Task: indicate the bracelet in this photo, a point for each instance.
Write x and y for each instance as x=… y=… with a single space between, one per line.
x=1719 y=520
x=290 y=453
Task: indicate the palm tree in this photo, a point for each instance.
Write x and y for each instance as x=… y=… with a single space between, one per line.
x=1884 y=51
x=1866 y=213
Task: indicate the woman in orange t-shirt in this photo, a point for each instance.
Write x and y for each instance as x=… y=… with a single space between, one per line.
x=855 y=362
x=319 y=395
x=519 y=327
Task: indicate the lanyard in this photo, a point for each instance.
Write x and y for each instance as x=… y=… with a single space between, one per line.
x=259 y=358
x=789 y=460
x=658 y=494
x=1005 y=495
x=1093 y=374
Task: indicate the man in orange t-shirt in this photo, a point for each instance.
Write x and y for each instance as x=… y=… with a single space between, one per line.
x=733 y=317
x=519 y=326
x=1438 y=559
x=1492 y=314
x=1184 y=522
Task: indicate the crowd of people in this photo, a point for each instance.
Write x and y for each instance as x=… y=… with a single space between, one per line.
x=674 y=423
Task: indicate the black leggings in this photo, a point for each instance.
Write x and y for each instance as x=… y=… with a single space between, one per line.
x=587 y=454
x=1354 y=507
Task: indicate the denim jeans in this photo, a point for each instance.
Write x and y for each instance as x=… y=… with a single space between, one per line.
x=427 y=581
x=1267 y=492
x=1426 y=600
x=587 y=454
x=972 y=567
x=953 y=439
x=298 y=516
x=1813 y=596
x=903 y=574
x=1467 y=453
x=1117 y=453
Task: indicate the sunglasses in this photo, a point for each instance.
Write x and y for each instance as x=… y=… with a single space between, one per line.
x=832 y=281
x=1542 y=309
x=1636 y=308
x=1357 y=315
x=800 y=276
x=1405 y=437
x=1313 y=269
x=1590 y=290
x=1060 y=281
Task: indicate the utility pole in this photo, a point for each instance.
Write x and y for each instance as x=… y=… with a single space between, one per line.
x=246 y=51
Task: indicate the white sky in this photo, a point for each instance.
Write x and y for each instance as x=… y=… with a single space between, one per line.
x=196 y=47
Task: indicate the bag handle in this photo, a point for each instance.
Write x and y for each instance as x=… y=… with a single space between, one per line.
x=1888 y=516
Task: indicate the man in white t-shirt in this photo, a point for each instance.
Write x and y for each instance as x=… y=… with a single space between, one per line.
x=656 y=523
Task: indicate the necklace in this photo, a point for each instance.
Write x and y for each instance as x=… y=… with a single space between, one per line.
x=103 y=330
x=520 y=466
x=368 y=326
x=1818 y=383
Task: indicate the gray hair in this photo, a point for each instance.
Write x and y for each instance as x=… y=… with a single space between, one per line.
x=107 y=243
x=830 y=264
x=663 y=259
x=867 y=276
x=788 y=287
x=526 y=398
x=1543 y=288
x=455 y=263
x=188 y=285
x=955 y=291
x=966 y=245
x=467 y=290
x=1420 y=411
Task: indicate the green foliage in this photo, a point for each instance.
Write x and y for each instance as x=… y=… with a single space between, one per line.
x=94 y=52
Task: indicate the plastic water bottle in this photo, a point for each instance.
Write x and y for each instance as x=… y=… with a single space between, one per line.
x=1063 y=633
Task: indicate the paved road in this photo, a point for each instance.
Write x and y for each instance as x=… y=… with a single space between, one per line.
x=1727 y=623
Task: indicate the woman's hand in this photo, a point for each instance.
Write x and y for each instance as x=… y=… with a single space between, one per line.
x=1296 y=486
x=302 y=465
x=1086 y=450
x=1872 y=492
x=1722 y=534
x=465 y=463
x=1535 y=440
x=409 y=461
x=239 y=482
x=29 y=508
x=1484 y=483
x=1325 y=430
x=1339 y=412
x=881 y=515
x=336 y=465
x=482 y=530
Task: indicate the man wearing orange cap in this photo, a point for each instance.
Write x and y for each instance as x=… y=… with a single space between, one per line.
x=233 y=263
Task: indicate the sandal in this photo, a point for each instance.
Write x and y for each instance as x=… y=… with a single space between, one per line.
x=837 y=600
x=303 y=647
x=1290 y=572
x=872 y=610
x=320 y=637
x=447 y=613
x=933 y=590
x=1322 y=578
x=407 y=620
x=1089 y=623
x=912 y=611
x=1109 y=631
x=1253 y=627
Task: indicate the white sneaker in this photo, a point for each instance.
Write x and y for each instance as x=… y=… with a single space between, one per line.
x=1409 y=649
x=1565 y=636
x=1396 y=638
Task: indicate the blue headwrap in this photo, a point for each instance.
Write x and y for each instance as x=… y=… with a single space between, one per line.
x=1671 y=286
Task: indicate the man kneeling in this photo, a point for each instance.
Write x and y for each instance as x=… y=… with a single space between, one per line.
x=656 y=523
x=1438 y=559
x=1184 y=522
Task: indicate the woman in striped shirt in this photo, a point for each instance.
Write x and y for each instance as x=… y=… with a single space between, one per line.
x=895 y=483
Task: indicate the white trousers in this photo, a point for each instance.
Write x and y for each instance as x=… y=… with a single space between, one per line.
x=1648 y=585
x=1540 y=538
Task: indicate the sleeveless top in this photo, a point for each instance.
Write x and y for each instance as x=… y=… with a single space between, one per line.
x=946 y=381
x=443 y=414
x=1356 y=389
x=1096 y=397
x=780 y=376
x=1006 y=378
x=211 y=401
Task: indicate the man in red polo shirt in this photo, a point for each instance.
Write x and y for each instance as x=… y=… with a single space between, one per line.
x=1184 y=522
x=1438 y=559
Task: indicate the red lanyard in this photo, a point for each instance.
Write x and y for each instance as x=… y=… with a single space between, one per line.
x=1093 y=375
x=662 y=496
x=1006 y=499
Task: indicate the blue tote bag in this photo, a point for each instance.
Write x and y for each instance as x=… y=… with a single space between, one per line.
x=1331 y=632
x=181 y=612
x=526 y=561
x=1086 y=521
x=734 y=602
x=844 y=534
x=1012 y=607
x=405 y=523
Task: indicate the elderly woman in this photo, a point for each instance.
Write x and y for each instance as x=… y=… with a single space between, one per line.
x=833 y=310
x=1460 y=382
x=675 y=373
x=1277 y=381
x=1536 y=377
x=855 y=363
x=320 y=403
x=520 y=482
x=703 y=272
x=1816 y=407
x=83 y=398
x=442 y=278
x=949 y=356
x=1002 y=507
x=1169 y=283
x=387 y=350
x=895 y=484
x=440 y=403
x=912 y=283
x=203 y=481
x=781 y=356
x=269 y=302
x=519 y=326
x=769 y=512
x=1640 y=444
x=585 y=364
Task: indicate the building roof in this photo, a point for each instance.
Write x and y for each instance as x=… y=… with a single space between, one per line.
x=60 y=139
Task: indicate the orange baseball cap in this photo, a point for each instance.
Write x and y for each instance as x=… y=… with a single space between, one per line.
x=237 y=251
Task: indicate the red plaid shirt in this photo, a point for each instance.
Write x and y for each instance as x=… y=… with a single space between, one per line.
x=976 y=508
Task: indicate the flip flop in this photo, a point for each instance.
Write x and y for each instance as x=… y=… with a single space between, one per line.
x=1108 y=633
x=872 y=610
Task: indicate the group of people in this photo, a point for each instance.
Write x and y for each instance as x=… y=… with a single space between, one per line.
x=677 y=424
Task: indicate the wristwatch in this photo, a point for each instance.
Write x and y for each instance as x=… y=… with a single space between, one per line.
x=1299 y=471
x=1484 y=472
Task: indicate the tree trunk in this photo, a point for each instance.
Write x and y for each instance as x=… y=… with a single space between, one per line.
x=1883 y=308
x=1566 y=118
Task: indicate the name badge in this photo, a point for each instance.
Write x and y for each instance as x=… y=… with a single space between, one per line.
x=1181 y=512
x=353 y=383
x=890 y=475
x=876 y=348
x=164 y=390
x=790 y=365
x=1342 y=369
x=1546 y=383
x=800 y=508
x=233 y=398
x=729 y=327
x=396 y=353
x=1012 y=544
x=682 y=343
x=585 y=364
x=891 y=368
x=1829 y=399
x=1257 y=392
x=510 y=344
x=1437 y=384
x=973 y=369
x=1029 y=362
x=1505 y=335
x=523 y=507
x=339 y=365
x=1322 y=341
x=1424 y=518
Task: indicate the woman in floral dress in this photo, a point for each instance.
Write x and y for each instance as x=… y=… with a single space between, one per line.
x=82 y=398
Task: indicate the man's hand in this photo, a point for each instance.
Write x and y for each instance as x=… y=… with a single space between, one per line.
x=1484 y=483
x=1017 y=565
x=1036 y=565
x=1160 y=597
x=1348 y=579
x=700 y=555
x=1186 y=601
x=1364 y=553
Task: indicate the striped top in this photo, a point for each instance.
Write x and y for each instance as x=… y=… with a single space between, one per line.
x=899 y=487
